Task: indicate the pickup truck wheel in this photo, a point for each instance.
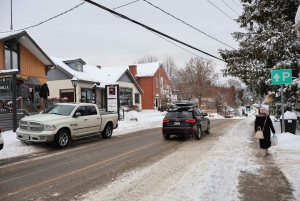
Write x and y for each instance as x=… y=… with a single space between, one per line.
x=61 y=139
x=198 y=133
x=107 y=132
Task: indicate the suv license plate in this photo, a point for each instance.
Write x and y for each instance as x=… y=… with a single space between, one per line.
x=176 y=123
x=26 y=137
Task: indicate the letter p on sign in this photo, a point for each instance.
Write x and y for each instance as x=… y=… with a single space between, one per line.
x=285 y=75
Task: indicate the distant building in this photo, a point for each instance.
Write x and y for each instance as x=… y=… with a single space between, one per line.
x=60 y=85
x=153 y=80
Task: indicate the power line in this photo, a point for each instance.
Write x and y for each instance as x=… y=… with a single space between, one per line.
x=229 y=7
x=219 y=9
x=187 y=24
x=237 y=4
x=149 y=28
x=171 y=41
x=188 y=50
x=125 y=4
x=45 y=20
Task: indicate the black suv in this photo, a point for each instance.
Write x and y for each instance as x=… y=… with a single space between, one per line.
x=185 y=120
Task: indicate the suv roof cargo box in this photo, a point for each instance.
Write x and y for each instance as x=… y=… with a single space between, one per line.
x=185 y=104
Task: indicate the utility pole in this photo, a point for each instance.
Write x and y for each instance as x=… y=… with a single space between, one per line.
x=14 y=80
x=11 y=26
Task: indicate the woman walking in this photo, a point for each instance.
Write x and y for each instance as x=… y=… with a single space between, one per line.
x=265 y=123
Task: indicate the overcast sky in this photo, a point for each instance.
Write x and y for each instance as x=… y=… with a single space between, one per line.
x=100 y=38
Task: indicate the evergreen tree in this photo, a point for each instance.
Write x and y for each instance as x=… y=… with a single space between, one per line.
x=269 y=42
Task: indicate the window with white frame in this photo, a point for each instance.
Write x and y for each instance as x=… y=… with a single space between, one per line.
x=161 y=81
x=125 y=96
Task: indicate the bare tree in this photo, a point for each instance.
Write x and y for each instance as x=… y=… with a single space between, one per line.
x=170 y=68
x=146 y=59
x=185 y=90
x=196 y=78
x=219 y=102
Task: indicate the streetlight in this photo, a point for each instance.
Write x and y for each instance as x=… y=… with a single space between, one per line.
x=74 y=83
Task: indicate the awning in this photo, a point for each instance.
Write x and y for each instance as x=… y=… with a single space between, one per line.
x=33 y=81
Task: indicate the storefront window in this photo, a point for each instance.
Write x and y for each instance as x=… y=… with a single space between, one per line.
x=5 y=87
x=86 y=95
x=125 y=96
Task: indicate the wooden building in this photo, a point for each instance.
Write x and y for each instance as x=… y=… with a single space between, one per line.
x=19 y=51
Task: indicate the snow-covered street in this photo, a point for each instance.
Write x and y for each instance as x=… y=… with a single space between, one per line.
x=208 y=173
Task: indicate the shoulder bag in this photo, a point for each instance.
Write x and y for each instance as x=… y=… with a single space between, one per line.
x=274 y=140
x=259 y=133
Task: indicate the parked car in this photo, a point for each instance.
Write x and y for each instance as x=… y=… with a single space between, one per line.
x=63 y=122
x=1 y=139
x=228 y=115
x=185 y=120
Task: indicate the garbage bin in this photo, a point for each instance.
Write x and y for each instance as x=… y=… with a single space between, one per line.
x=290 y=122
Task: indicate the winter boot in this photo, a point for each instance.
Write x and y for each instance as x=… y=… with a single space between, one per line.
x=265 y=152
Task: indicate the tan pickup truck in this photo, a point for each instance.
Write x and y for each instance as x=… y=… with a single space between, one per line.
x=63 y=122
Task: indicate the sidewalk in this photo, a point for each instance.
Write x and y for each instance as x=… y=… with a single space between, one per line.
x=269 y=183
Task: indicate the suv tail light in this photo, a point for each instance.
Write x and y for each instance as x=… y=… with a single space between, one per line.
x=166 y=120
x=190 y=120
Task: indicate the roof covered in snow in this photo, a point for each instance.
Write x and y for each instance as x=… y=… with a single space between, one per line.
x=105 y=76
x=143 y=70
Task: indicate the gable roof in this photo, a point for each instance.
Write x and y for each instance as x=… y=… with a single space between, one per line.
x=105 y=76
x=116 y=73
x=30 y=44
x=89 y=72
x=111 y=74
x=147 y=69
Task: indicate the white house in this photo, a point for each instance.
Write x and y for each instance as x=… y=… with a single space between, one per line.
x=88 y=77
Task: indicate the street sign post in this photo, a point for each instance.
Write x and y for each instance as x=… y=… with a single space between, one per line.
x=281 y=77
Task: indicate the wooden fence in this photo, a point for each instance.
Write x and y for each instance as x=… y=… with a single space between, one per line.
x=6 y=120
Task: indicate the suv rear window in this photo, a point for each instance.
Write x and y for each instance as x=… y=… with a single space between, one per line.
x=179 y=114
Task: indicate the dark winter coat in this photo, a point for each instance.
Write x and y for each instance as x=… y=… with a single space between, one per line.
x=24 y=91
x=44 y=91
x=259 y=121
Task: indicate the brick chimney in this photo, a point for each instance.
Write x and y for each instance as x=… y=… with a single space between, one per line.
x=99 y=67
x=133 y=71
